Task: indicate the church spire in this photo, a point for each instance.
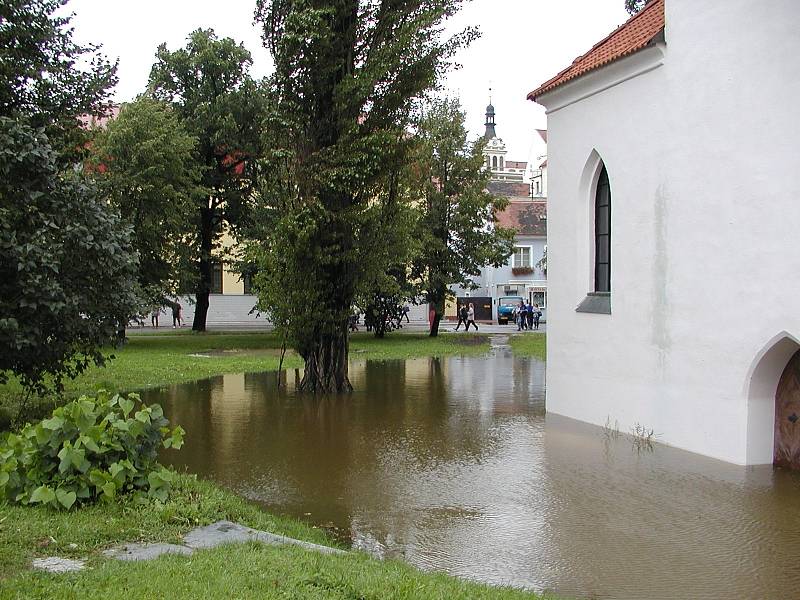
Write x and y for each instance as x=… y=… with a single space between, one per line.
x=490 y=132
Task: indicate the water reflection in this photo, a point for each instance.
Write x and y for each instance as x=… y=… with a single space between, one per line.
x=452 y=465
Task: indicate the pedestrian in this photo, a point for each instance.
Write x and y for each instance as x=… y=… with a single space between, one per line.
x=461 y=313
x=352 y=322
x=471 y=317
x=406 y=310
x=529 y=310
x=154 y=316
x=537 y=314
x=176 y=314
x=522 y=316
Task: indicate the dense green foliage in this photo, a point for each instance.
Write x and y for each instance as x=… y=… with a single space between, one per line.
x=89 y=449
x=455 y=231
x=67 y=269
x=348 y=73
x=46 y=76
x=144 y=162
x=222 y=107
x=66 y=262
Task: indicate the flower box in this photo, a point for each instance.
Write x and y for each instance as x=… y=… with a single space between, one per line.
x=522 y=270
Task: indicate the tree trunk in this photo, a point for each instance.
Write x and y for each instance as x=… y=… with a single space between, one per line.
x=437 y=317
x=204 y=283
x=437 y=307
x=326 y=365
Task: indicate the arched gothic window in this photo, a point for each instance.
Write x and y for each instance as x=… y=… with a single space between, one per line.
x=494 y=162
x=602 y=234
x=501 y=163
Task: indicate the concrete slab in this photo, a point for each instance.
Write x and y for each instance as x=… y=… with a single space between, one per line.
x=227 y=532
x=145 y=551
x=55 y=564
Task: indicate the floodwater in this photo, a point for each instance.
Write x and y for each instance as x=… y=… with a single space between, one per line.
x=452 y=465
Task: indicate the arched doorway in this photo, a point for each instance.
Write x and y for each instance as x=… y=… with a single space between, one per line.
x=787 y=416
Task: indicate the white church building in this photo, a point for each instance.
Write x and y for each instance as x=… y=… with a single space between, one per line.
x=674 y=231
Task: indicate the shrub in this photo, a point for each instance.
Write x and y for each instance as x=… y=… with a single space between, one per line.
x=90 y=449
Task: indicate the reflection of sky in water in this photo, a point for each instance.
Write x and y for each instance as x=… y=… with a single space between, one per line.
x=451 y=464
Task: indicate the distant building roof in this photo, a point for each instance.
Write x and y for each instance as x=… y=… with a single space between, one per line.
x=526 y=217
x=510 y=189
x=544 y=164
x=515 y=164
x=636 y=33
x=91 y=121
x=543 y=134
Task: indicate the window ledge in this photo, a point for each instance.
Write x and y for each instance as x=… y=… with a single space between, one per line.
x=596 y=302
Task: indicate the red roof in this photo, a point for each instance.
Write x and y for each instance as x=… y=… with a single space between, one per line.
x=509 y=189
x=515 y=164
x=635 y=34
x=526 y=217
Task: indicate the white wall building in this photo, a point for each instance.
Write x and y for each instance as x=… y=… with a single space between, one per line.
x=674 y=286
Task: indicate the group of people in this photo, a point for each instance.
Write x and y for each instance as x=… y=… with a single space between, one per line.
x=466 y=315
x=527 y=316
x=177 y=315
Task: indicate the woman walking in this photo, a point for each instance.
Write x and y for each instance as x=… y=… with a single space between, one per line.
x=471 y=317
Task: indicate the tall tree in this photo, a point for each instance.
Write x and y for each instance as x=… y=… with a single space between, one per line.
x=67 y=268
x=221 y=105
x=46 y=75
x=347 y=74
x=456 y=230
x=145 y=163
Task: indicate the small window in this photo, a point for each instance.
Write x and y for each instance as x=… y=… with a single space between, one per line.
x=602 y=234
x=501 y=163
x=539 y=297
x=494 y=162
x=247 y=281
x=521 y=257
x=216 y=278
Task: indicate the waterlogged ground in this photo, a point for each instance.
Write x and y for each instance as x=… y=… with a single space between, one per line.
x=452 y=465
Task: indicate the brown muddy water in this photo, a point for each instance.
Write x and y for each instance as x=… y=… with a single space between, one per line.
x=452 y=465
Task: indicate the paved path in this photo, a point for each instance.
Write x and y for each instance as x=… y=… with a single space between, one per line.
x=413 y=327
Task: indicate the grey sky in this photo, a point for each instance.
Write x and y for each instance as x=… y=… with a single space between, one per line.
x=524 y=43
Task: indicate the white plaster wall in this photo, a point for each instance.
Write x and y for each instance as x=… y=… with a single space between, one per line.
x=705 y=263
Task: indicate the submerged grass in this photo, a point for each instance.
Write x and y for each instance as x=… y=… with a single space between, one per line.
x=153 y=360
x=237 y=571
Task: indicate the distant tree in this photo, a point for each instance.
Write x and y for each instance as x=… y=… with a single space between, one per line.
x=67 y=266
x=456 y=231
x=634 y=6
x=46 y=75
x=347 y=74
x=144 y=161
x=219 y=104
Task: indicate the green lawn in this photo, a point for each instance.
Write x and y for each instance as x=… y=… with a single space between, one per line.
x=530 y=344
x=153 y=360
x=238 y=571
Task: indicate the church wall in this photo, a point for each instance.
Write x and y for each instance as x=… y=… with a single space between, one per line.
x=704 y=236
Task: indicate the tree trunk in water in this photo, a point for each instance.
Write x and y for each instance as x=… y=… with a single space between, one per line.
x=204 y=284
x=326 y=365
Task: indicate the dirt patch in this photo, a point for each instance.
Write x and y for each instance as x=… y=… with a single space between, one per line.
x=240 y=352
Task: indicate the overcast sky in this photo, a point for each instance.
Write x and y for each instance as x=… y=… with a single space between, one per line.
x=524 y=43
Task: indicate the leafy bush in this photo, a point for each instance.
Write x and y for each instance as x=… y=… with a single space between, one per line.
x=91 y=448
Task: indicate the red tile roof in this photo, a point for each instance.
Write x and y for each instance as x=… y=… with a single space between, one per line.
x=509 y=189
x=526 y=217
x=635 y=34
x=543 y=134
x=515 y=164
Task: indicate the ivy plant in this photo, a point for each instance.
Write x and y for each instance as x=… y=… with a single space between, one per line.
x=90 y=449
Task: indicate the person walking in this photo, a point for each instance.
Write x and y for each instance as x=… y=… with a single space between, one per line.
x=529 y=310
x=537 y=314
x=461 y=313
x=154 y=316
x=522 y=316
x=471 y=317
x=176 y=314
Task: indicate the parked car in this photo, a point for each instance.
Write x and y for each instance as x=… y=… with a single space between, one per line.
x=505 y=308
